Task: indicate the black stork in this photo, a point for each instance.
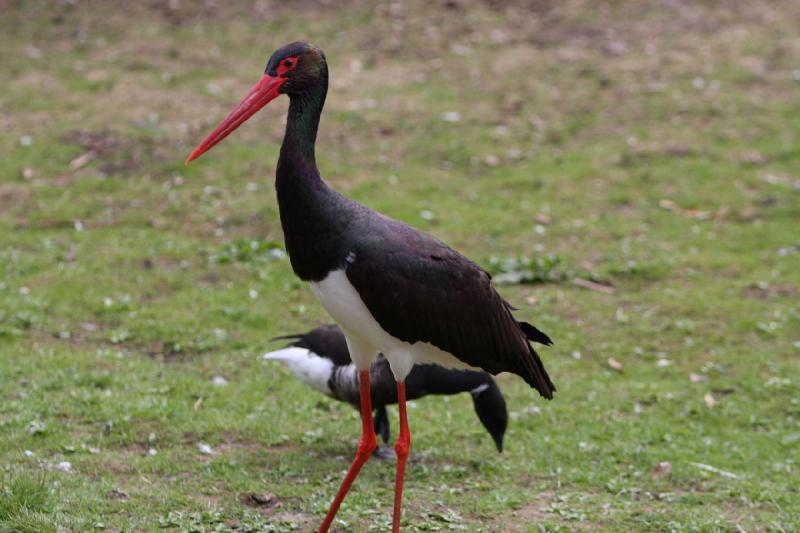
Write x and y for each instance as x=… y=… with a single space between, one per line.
x=391 y=288
x=320 y=359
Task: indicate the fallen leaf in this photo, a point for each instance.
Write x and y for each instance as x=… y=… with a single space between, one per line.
x=669 y=205
x=714 y=469
x=754 y=158
x=662 y=469
x=81 y=160
x=593 y=286
x=491 y=160
x=117 y=494
x=37 y=427
x=709 y=400
x=204 y=448
x=451 y=116
x=697 y=378
x=721 y=213
x=695 y=214
x=764 y=291
x=613 y=363
x=542 y=218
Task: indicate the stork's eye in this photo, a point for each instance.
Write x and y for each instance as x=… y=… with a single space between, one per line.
x=287 y=64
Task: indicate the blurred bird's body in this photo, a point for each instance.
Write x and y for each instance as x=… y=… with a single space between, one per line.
x=320 y=359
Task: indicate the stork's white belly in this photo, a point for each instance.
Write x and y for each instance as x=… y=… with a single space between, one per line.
x=366 y=338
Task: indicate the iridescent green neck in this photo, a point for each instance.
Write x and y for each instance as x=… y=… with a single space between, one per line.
x=302 y=123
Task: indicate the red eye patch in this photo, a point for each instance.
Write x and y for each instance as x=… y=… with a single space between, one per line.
x=287 y=64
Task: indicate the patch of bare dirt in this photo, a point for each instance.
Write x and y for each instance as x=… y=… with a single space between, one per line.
x=768 y=292
x=117 y=494
x=101 y=143
x=260 y=500
x=12 y=195
x=532 y=512
x=114 y=153
x=520 y=520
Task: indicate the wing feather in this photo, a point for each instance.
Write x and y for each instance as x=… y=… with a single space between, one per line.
x=418 y=289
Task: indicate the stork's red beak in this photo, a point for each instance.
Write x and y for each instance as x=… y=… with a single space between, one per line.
x=260 y=95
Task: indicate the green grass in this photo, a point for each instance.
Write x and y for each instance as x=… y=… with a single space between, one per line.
x=647 y=147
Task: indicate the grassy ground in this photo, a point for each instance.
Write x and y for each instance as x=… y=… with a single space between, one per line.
x=650 y=147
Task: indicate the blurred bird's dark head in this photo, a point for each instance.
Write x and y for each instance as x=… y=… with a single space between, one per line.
x=490 y=407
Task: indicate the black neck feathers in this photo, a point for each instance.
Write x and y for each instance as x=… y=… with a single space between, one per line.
x=313 y=216
x=302 y=122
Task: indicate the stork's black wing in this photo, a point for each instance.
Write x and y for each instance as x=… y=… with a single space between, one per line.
x=418 y=289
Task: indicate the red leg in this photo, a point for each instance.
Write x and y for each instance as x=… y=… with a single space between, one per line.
x=365 y=448
x=402 y=447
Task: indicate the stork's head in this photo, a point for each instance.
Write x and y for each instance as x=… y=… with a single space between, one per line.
x=297 y=70
x=301 y=65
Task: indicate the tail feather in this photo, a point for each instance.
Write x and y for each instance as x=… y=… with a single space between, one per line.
x=540 y=379
x=534 y=334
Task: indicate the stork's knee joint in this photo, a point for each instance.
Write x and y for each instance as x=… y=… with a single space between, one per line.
x=367 y=445
x=402 y=448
